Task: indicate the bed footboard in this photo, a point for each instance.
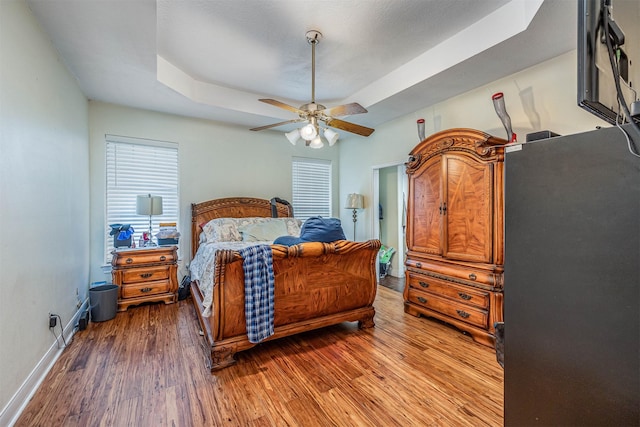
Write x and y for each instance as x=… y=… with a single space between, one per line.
x=316 y=285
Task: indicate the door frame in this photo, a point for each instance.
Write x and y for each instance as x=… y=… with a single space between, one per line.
x=401 y=202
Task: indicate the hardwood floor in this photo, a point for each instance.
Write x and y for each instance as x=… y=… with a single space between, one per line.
x=395 y=283
x=146 y=368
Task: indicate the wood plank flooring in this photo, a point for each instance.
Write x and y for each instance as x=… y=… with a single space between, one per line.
x=146 y=367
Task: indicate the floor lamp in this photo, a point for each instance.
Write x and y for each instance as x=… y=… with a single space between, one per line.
x=149 y=205
x=355 y=201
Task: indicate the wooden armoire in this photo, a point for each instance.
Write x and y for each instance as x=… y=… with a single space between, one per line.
x=455 y=231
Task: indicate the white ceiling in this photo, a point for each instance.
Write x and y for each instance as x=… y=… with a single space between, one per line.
x=213 y=59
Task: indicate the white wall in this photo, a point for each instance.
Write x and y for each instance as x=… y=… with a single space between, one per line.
x=44 y=208
x=215 y=160
x=539 y=98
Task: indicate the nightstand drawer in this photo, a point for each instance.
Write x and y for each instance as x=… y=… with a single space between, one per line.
x=136 y=257
x=137 y=275
x=145 y=289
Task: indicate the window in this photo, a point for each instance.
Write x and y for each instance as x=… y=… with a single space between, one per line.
x=311 y=187
x=135 y=167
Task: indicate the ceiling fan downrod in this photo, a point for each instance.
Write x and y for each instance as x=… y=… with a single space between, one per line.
x=313 y=37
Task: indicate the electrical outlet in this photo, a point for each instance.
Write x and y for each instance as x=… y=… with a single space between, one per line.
x=53 y=320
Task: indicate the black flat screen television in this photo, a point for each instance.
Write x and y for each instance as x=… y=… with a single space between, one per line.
x=596 y=78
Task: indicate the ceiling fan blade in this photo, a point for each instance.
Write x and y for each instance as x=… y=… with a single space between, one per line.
x=277 y=124
x=345 y=110
x=350 y=127
x=277 y=103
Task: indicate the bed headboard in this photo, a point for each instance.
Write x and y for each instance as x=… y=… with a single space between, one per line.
x=230 y=207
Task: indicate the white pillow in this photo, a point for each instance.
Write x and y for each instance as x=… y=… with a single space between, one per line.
x=222 y=230
x=268 y=230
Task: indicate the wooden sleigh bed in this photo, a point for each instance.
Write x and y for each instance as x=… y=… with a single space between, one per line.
x=316 y=284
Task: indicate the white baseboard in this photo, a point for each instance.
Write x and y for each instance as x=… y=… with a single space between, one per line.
x=10 y=413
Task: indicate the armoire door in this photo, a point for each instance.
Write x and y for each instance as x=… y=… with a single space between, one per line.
x=468 y=218
x=425 y=219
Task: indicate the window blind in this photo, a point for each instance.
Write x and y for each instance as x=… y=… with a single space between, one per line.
x=136 y=167
x=311 y=187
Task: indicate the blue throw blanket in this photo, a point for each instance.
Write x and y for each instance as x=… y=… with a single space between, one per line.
x=258 y=291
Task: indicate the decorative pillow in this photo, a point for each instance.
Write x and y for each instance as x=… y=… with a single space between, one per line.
x=319 y=229
x=222 y=230
x=263 y=231
x=293 y=226
x=287 y=240
x=316 y=229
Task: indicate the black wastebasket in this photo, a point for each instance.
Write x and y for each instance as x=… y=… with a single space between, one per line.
x=104 y=302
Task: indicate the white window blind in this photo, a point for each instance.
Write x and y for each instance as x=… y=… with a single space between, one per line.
x=136 y=167
x=311 y=187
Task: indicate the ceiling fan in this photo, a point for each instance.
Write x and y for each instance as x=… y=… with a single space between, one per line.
x=312 y=113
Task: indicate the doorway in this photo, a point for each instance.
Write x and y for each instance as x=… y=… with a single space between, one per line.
x=390 y=186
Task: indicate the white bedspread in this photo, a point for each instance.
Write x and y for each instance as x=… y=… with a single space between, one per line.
x=202 y=268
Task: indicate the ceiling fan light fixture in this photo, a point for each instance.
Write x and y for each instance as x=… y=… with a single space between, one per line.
x=293 y=136
x=316 y=143
x=308 y=132
x=313 y=112
x=331 y=136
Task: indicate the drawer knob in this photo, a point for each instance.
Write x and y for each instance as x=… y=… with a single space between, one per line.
x=472 y=276
x=424 y=284
x=145 y=290
x=146 y=275
x=422 y=300
x=129 y=260
x=464 y=296
x=419 y=265
x=163 y=258
x=463 y=314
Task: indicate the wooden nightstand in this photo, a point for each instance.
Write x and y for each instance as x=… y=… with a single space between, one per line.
x=145 y=275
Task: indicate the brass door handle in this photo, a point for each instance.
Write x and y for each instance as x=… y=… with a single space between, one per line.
x=163 y=258
x=463 y=313
x=464 y=296
x=422 y=300
x=129 y=260
x=424 y=284
x=472 y=276
x=146 y=290
x=146 y=275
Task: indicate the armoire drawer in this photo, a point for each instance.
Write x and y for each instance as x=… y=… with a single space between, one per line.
x=145 y=289
x=149 y=274
x=463 y=294
x=461 y=274
x=462 y=312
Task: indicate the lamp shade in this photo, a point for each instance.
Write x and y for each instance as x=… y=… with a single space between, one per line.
x=149 y=205
x=355 y=201
x=293 y=136
x=308 y=132
x=331 y=136
x=316 y=143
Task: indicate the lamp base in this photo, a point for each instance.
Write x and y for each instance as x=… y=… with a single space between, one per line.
x=355 y=219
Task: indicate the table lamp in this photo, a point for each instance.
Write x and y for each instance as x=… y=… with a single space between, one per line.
x=149 y=205
x=355 y=201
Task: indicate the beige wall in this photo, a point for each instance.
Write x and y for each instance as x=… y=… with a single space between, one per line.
x=44 y=208
x=539 y=98
x=215 y=160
